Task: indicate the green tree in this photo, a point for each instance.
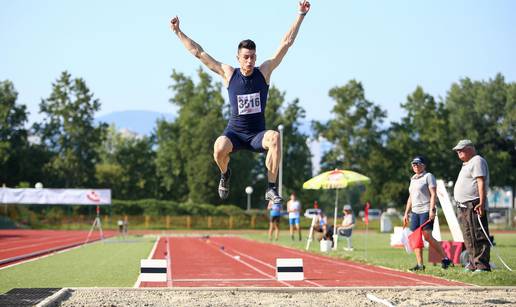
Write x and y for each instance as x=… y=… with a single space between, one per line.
x=199 y=123
x=357 y=137
x=484 y=112
x=70 y=134
x=170 y=168
x=127 y=165
x=297 y=165
x=137 y=163
x=422 y=131
x=13 y=135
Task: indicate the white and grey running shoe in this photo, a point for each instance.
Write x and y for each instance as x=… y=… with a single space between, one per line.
x=224 y=184
x=272 y=194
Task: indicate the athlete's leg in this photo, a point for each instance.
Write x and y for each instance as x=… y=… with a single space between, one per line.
x=221 y=150
x=271 y=142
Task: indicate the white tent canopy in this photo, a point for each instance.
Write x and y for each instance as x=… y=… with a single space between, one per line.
x=55 y=196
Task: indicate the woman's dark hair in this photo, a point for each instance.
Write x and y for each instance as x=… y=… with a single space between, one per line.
x=247 y=44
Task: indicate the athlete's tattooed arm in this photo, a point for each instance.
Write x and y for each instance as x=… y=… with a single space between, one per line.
x=196 y=50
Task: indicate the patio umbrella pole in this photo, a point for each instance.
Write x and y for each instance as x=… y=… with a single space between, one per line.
x=335 y=235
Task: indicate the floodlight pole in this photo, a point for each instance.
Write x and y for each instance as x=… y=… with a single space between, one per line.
x=280 y=175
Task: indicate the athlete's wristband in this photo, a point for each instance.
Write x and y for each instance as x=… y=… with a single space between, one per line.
x=302 y=14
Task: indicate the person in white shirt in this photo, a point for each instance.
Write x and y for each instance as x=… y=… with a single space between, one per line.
x=294 y=209
x=470 y=193
x=346 y=229
x=421 y=206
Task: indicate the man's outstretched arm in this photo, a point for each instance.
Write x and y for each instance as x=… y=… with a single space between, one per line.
x=269 y=65
x=194 y=48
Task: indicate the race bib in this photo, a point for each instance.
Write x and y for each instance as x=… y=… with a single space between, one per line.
x=249 y=103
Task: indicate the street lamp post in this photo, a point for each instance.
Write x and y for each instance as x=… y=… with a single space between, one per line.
x=280 y=175
x=249 y=191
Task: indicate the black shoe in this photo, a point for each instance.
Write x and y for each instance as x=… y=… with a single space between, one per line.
x=445 y=263
x=272 y=194
x=418 y=267
x=224 y=184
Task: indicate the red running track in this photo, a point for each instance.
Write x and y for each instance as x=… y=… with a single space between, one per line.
x=237 y=262
x=21 y=244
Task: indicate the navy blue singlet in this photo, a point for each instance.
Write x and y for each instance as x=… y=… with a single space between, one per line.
x=248 y=98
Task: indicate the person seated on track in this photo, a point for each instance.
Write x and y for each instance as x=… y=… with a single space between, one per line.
x=346 y=228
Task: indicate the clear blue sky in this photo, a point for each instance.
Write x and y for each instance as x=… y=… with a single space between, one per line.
x=126 y=52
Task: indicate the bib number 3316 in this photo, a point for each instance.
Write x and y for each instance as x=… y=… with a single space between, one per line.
x=249 y=104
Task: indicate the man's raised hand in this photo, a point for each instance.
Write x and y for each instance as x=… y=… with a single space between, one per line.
x=304 y=7
x=174 y=24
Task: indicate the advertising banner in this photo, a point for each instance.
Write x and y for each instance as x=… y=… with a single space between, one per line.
x=55 y=196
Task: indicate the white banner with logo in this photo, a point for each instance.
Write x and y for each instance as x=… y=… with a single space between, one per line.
x=55 y=196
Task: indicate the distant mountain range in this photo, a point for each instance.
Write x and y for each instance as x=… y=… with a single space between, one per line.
x=139 y=121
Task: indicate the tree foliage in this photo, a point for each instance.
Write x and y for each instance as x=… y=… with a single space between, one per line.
x=13 y=135
x=68 y=131
x=176 y=163
x=197 y=125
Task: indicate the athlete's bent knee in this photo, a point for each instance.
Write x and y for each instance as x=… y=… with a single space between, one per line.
x=273 y=138
x=221 y=148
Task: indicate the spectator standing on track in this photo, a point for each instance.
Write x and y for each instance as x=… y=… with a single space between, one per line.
x=294 y=209
x=248 y=88
x=421 y=206
x=346 y=229
x=274 y=218
x=470 y=194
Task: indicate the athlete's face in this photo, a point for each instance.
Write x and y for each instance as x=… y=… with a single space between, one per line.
x=246 y=59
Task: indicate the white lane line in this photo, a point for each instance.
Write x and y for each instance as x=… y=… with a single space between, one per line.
x=44 y=256
x=169 y=265
x=252 y=267
x=221 y=279
x=41 y=243
x=269 y=265
x=364 y=269
x=153 y=250
x=27 y=240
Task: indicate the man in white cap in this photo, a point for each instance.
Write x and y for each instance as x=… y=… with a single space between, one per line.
x=470 y=194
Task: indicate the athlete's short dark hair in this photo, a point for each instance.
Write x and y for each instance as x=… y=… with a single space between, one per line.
x=247 y=44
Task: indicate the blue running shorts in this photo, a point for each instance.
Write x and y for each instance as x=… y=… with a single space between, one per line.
x=246 y=141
